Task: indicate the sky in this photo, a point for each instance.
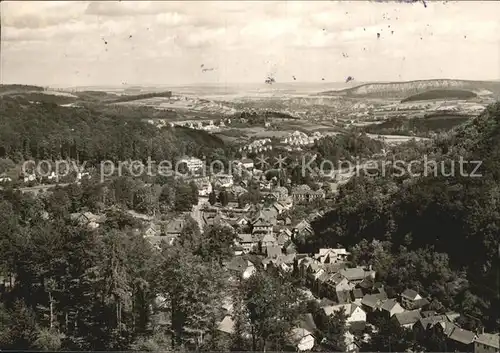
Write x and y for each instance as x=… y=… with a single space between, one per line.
x=84 y=43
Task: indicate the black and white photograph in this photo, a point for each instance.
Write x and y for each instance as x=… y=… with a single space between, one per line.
x=250 y=176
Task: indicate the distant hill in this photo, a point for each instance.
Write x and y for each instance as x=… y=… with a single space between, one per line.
x=51 y=131
x=401 y=90
x=7 y=89
x=441 y=94
x=130 y=98
x=422 y=127
x=60 y=97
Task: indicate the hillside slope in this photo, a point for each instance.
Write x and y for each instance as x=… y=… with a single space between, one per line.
x=51 y=131
x=446 y=224
x=404 y=89
x=441 y=94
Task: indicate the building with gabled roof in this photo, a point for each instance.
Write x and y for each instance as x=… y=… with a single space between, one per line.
x=391 y=307
x=302 y=339
x=247 y=241
x=353 y=312
x=174 y=227
x=226 y=325
x=273 y=251
x=461 y=340
x=358 y=274
x=407 y=319
x=239 y=266
x=373 y=302
x=409 y=298
x=487 y=343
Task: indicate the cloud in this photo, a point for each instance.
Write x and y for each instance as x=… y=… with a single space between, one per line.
x=39 y=14
x=46 y=40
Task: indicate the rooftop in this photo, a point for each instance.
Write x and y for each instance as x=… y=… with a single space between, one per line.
x=239 y=264
x=410 y=294
x=489 y=339
x=408 y=317
x=462 y=336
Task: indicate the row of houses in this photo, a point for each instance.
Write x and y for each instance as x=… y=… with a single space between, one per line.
x=298 y=138
x=355 y=291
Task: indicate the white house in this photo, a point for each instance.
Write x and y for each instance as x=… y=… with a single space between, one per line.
x=391 y=307
x=241 y=267
x=79 y=175
x=226 y=325
x=4 y=179
x=331 y=255
x=302 y=339
x=247 y=241
x=353 y=312
x=247 y=163
x=30 y=177
x=224 y=180
x=204 y=189
x=192 y=163
x=409 y=297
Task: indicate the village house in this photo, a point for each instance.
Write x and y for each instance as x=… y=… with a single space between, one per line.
x=291 y=249
x=357 y=295
x=409 y=299
x=407 y=319
x=226 y=325
x=193 y=164
x=248 y=242
x=174 y=227
x=302 y=336
x=223 y=180
x=282 y=239
x=353 y=312
x=279 y=207
x=140 y=216
x=281 y=262
x=331 y=255
x=432 y=324
x=302 y=339
x=81 y=175
x=304 y=194
x=303 y=228
x=240 y=222
x=334 y=286
x=460 y=340
x=267 y=240
x=272 y=251
x=204 y=188
x=372 y=302
x=487 y=343
x=262 y=226
x=358 y=274
x=87 y=219
x=158 y=240
x=152 y=230
x=247 y=163
x=5 y=179
x=391 y=307
x=241 y=267
x=282 y=192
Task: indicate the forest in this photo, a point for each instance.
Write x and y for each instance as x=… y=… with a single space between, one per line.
x=50 y=132
x=423 y=127
x=438 y=234
x=70 y=288
x=66 y=287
